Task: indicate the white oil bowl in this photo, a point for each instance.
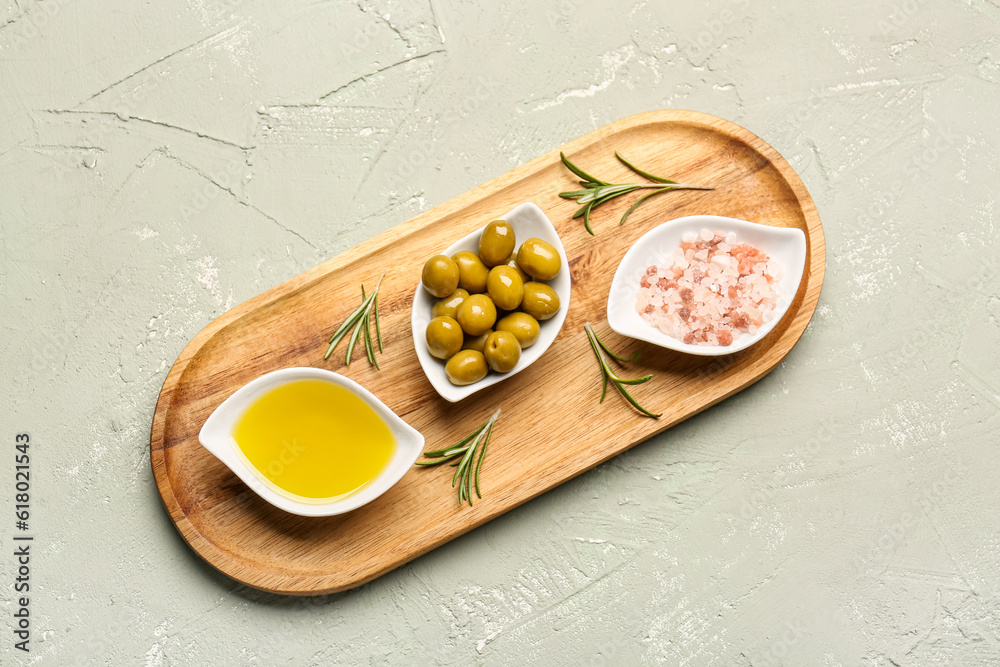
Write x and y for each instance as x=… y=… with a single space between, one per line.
x=784 y=244
x=528 y=222
x=216 y=436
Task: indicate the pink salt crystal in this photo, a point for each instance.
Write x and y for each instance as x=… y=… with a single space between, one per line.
x=712 y=293
x=721 y=260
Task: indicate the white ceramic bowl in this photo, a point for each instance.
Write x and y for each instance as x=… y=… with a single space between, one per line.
x=216 y=437
x=786 y=245
x=528 y=222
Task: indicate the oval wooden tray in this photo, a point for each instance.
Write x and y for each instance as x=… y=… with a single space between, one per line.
x=532 y=450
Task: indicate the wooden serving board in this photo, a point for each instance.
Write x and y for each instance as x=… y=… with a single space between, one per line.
x=532 y=449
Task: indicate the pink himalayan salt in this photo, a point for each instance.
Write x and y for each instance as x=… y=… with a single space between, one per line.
x=715 y=291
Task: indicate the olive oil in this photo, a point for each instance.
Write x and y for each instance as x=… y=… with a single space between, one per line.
x=313 y=440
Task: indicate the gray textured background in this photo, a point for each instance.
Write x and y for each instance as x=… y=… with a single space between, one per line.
x=161 y=162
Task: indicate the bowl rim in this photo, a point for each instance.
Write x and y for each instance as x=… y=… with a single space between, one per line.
x=791 y=275
x=549 y=328
x=216 y=436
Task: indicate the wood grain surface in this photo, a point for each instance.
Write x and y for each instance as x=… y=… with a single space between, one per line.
x=552 y=427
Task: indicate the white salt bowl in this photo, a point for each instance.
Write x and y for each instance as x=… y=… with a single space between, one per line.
x=658 y=246
x=528 y=221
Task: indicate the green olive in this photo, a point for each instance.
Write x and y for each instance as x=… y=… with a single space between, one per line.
x=476 y=343
x=440 y=276
x=466 y=367
x=539 y=259
x=496 y=243
x=477 y=315
x=502 y=351
x=444 y=337
x=524 y=327
x=512 y=263
x=505 y=287
x=448 y=306
x=471 y=272
x=540 y=301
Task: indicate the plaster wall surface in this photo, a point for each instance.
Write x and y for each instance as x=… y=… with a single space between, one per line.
x=162 y=162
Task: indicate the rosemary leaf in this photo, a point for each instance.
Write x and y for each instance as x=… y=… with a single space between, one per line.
x=608 y=374
x=579 y=172
x=467 y=458
x=378 y=328
x=614 y=356
x=643 y=379
x=454 y=450
x=597 y=192
x=658 y=179
x=353 y=340
x=360 y=320
x=369 y=347
x=636 y=204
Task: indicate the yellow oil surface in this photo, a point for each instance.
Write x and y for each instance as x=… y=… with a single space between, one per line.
x=314 y=440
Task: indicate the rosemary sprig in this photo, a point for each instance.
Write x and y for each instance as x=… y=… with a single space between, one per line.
x=463 y=456
x=360 y=319
x=596 y=191
x=608 y=373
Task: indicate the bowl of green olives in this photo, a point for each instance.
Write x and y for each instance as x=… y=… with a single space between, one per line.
x=490 y=305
